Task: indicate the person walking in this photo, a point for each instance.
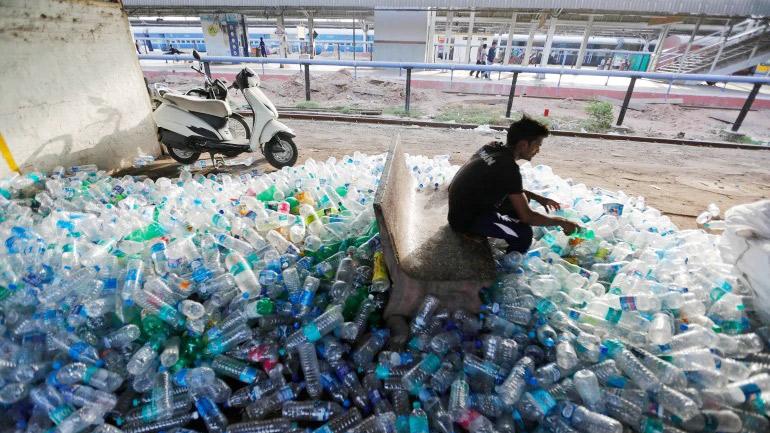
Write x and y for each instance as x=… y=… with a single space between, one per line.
x=491 y=54
x=481 y=55
x=262 y=49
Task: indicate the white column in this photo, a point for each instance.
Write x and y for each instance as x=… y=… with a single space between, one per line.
x=689 y=44
x=471 y=23
x=284 y=45
x=530 y=41
x=584 y=43
x=430 y=41
x=548 y=42
x=509 y=45
x=448 y=37
x=659 y=47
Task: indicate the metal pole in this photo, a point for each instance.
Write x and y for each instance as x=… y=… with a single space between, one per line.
x=354 y=39
x=207 y=69
x=746 y=106
x=307 y=82
x=245 y=38
x=689 y=44
x=408 y=88
x=626 y=101
x=725 y=34
x=511 y=94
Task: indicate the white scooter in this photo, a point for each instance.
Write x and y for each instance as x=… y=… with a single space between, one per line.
x=189 y=126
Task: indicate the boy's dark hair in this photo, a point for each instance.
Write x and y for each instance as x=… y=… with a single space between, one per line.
x=485 y=45
x=527 y=129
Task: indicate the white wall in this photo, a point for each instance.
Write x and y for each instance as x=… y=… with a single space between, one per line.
x=400 y=36
x=72 y=90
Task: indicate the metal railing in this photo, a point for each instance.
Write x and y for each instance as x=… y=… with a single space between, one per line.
x=515 y=69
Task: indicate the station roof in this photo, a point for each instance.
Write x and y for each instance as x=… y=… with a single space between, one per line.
x=712 y=8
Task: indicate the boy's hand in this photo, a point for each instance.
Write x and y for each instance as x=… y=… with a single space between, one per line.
x=569 y=227
x=548 y=204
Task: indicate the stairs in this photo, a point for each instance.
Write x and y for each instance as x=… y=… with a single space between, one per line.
x=748 y=47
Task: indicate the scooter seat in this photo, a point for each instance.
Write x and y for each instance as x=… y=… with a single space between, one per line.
x=213 y=107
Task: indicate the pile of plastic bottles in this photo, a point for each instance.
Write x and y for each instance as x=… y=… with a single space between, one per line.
x=252 y=304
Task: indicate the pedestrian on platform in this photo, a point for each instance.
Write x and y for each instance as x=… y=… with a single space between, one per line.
x=481 y=56
x=491 y=55
x=262 y=49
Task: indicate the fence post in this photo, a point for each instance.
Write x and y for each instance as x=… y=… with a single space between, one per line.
x=511 y=94
x=746 y=107
x=408 y=88
x=307 y=82
x=626 y=101
x=207 y=69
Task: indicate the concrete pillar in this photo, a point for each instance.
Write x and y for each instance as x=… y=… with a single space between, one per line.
x=430 y=47
x=509 y=45
x=468 y=47
x=284 y=48
x=365 y=31
x=448 y=37
x=659 y=47
x=548 y=42
x=584 y=43
x=689 y=44
x=530 y=41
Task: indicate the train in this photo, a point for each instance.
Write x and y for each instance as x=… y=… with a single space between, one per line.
x=164 y=37
x=611 y=52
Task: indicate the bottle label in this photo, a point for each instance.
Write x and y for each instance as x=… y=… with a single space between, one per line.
x=88 y=374
x=306 y=298
x=613 y=315
x=627 y=303
x=237 y=268
x=248 y=375
x=311 y=332
x=77 y=349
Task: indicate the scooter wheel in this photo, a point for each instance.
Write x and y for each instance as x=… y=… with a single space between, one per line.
x=281 y=151
x=183 y=156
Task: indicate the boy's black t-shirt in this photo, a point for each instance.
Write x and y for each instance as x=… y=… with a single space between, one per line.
x=482 y=184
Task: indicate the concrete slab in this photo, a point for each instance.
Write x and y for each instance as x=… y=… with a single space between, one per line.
x=423 y=255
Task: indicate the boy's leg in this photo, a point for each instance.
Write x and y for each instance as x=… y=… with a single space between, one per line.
x=496 y=225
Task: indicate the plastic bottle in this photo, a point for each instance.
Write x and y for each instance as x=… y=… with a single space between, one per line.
x=314 y=330
x=96 y=377
x=418 y=420
x=514 y=386
x=319 y=411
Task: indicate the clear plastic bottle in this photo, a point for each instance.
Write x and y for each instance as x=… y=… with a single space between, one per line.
x=418 y=419
x=587 y=385
x=314 y=330
x=318 y=411
x=96 y=377
x=239 y=370
x=212 y=416
x=424 y=313
x=586 y=420
x=309 y=362
x=515 y=384
x=272 y=402
x=121 y=337
x=342 y=423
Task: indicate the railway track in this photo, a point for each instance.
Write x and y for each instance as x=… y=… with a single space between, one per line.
x=302 y=115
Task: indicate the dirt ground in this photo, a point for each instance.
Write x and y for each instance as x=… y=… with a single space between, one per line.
x=338 y=89
x=679 y=180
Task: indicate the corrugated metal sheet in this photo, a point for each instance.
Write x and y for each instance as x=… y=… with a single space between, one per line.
x=696 y=7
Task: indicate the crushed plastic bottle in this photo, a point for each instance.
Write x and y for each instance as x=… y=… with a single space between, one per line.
x=252 y=303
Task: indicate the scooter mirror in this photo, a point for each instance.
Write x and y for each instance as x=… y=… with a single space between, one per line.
x=196 y=55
